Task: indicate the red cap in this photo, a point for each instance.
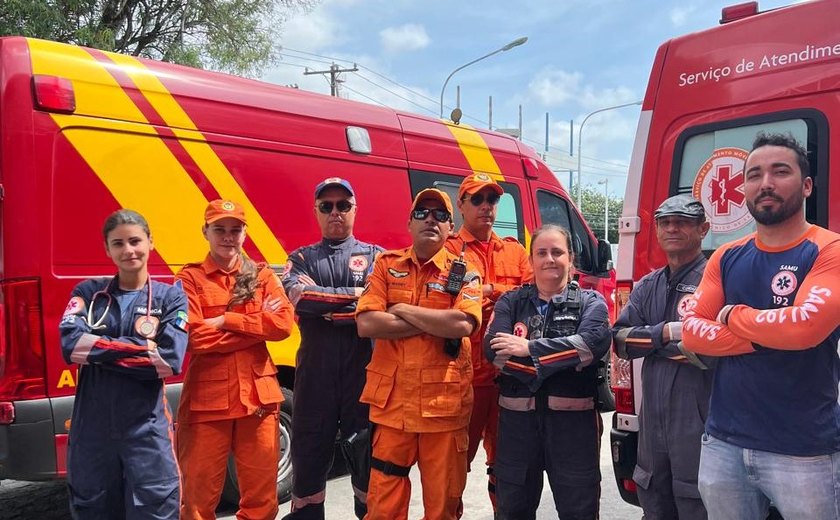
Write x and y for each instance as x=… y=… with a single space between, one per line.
x=219 y=209
x=476 y=182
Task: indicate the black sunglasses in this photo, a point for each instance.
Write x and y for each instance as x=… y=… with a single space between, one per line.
x=477 y=199
x=441 y=215
x=326 y=206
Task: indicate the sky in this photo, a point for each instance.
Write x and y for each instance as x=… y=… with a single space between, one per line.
x=581 y=56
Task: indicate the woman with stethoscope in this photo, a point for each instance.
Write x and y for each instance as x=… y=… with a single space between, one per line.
x=231 y=397
x=126 y=333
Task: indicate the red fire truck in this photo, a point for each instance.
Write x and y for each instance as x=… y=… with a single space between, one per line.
x=709 y=93
x=84 y=132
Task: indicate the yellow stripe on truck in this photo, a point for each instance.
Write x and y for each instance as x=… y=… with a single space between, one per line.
x=196 y=146
x=143 y=173
x=475 y=150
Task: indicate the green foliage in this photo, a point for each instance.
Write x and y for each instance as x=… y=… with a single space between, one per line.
x=236 y=36
x=592 y=202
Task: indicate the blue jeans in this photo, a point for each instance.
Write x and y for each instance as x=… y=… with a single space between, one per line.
x=739 y=484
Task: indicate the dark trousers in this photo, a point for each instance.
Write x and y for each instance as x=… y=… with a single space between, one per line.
x=328 y=383
x=565 y=445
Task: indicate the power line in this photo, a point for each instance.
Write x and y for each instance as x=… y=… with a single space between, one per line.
x=601 y=163
x=333 y=71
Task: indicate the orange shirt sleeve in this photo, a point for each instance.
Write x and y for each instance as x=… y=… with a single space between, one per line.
x=203 y=338
x=514 y=253
x=271 y=326
x=375 y=294
x=814 y=315
x=701 y=332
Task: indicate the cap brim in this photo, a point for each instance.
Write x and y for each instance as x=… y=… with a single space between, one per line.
x=220 y=217
x=334 y=185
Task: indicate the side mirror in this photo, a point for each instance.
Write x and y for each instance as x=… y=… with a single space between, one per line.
x=605 y=263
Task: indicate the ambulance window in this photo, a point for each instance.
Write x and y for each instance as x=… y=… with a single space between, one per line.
x=712 y=171
x=556 y=210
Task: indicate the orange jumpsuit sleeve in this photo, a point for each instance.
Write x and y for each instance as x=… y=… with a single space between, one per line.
x=514 y=254
x=270 y=326
x=375 y=294
x=812 y=317
x=701 y=332
x=204 y=339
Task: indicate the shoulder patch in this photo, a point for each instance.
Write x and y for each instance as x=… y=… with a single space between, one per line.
x=472 y=276
x=76 y=305
x=397 y=274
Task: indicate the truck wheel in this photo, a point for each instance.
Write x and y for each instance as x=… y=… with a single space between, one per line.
x=230 y=493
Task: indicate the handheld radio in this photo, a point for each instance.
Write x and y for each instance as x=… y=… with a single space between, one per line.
x=457 y=271
x=454 y=281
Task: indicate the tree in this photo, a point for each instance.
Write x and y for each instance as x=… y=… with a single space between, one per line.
x=592 y=207
x=236 y=36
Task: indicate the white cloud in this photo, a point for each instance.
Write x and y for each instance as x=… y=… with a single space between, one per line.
x=311 y=31
x=553 y=87
x=680 y=15
x=408 y=37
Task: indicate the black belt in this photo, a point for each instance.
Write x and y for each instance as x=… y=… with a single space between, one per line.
x=389 y=468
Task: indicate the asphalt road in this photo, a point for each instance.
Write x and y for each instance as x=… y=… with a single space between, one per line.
x=48 y=500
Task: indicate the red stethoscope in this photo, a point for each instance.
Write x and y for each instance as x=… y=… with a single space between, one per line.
x=146 y=327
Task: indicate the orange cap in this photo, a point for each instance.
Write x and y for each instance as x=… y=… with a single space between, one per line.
x=435 y=194
x=219 y=209
x=476 y=182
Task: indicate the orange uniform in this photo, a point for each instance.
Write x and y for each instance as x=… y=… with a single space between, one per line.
x=420 y=398
x=231 y=396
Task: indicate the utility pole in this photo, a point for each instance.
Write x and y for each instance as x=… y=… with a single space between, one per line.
x=333 y=71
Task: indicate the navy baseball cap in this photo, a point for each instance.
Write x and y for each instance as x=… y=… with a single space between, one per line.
x=333 y=181
x=680 y=205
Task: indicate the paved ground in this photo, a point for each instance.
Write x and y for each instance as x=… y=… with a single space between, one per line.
x=48 y=500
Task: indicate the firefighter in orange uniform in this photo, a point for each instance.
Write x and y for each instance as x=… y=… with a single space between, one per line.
x=503 y=265
x=418 y=381
x=230 y=400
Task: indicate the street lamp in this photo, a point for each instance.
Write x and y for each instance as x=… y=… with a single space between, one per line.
x=580 y=133
x=606 y=182
x=515 y=43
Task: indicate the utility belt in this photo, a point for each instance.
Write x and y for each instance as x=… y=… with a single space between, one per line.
x=554 y=403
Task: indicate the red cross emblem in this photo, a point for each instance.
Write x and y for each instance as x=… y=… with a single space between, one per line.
x=686 y=305
x=727 y=189
x=358 y=263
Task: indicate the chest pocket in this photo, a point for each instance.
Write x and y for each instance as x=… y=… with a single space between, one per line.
x=399 y=296
x=505 y=272
x=435 y=299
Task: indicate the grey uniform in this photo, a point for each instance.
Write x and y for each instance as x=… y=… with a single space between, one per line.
x=675 y=394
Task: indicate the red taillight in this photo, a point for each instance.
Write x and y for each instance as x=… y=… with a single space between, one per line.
x=53 y=94
x=628 y=485
x=7 y=413
x=23 y=374
x=738 y=11
x=621 y=370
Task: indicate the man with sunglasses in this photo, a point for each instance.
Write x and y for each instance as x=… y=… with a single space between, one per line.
x=415 y=305
x=324 y=281
x=503 y=265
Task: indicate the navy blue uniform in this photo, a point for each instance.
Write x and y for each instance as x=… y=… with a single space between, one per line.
x=547 y=420
x=785 y=314
x=331 y=362
x=120 y=460
x=675 y=393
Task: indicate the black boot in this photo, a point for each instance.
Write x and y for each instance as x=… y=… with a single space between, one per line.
x=308 y=512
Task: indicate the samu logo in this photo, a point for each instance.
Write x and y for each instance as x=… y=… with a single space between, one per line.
x=783 y=283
